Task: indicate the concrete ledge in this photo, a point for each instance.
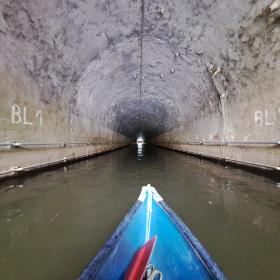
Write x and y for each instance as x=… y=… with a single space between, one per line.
x=261 y=158
x=23 y=161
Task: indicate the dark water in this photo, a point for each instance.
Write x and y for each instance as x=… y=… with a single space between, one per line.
x=53 y=223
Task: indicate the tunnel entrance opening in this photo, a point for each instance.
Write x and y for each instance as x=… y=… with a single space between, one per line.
x=140 y=147
x=140 y=140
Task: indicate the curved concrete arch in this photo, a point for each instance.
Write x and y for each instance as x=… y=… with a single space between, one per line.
x=176 y=88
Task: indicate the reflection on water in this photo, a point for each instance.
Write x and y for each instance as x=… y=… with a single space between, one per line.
x=140 y=150
x=53 y=223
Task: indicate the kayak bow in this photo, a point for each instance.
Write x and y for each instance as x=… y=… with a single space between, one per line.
x=177 y=253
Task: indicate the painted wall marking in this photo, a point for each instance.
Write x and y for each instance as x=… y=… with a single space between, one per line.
x=264 y=118
x=19 y=116
x=39 y=115
x=25 y=118
x=16 y=114
x=246 y=137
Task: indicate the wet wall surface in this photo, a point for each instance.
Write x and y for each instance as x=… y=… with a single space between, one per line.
x=53 y=223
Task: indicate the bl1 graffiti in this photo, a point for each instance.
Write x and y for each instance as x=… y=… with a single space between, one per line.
x=19 y=116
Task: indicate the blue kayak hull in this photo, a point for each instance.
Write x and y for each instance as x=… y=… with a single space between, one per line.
x=177 y=254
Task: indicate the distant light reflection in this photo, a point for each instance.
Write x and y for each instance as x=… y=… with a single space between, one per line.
x=140 y=149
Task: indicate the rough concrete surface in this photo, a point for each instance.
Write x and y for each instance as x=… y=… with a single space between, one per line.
x=174 y=71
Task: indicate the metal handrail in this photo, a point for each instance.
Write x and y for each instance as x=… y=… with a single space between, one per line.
x=226 y=142
x=17 y=144
x=62 y=144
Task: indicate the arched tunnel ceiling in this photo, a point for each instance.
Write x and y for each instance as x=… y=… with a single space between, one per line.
x=175 y=88
x=130 y=65
x=175 y=85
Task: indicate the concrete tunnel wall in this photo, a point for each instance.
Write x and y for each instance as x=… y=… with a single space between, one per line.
x=95 y=74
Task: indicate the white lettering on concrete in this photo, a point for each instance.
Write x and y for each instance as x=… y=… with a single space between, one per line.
x=16 y=114
x=40 y=116
x=25 y=117
x=265 y=118
x=267 y=122
x=246 y=137
x=19 y=116
x=258 y=118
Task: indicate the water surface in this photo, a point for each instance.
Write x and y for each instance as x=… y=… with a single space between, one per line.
x=53 y=223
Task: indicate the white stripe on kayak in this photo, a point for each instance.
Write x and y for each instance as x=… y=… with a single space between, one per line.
x=150 y=193
x=149 y=214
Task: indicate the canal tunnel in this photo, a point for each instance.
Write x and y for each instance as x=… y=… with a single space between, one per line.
x=83 y=77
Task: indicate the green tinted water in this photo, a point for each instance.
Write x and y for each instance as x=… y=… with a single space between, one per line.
x=53 y=223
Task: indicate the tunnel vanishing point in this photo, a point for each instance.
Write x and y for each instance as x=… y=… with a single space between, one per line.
x=83 y=77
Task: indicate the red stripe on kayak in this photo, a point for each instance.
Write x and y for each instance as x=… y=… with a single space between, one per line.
x=140 y=261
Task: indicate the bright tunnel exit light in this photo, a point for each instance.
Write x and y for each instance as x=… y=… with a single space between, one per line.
x=140 y=140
